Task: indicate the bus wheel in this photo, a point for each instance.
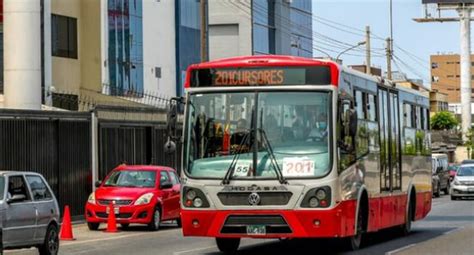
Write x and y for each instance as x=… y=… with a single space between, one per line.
x=228 y=245
x=354 y=242
x=406 y=228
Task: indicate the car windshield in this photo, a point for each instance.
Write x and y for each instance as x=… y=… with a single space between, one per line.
x=465 y=171
x=131 y=178
x=259 y=133
x=2 y=187
x=453 y=168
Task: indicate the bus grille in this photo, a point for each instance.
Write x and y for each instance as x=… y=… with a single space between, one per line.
x=237 y=224
x=242 y=198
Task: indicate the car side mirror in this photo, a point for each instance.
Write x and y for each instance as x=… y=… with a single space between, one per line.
x=98 y=183
x=16 y=198
x=166 y=185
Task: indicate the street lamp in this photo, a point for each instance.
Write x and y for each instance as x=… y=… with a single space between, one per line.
x=355 y=46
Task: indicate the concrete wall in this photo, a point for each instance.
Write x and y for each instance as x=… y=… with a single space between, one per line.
x=159 y=47
x=66 y=72
x=232 y=25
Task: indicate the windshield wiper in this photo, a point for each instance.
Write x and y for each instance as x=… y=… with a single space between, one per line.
x=273 y=159
x=230 y=170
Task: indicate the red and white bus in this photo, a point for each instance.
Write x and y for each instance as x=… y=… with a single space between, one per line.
x=289 y=147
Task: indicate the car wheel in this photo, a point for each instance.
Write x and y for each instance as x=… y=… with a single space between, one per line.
x=124 y=225
x=93 y=226
x=228 y=245
x=446 y=190
x=50 y=245
x=155 y=222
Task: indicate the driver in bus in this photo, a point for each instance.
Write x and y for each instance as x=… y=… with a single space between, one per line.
x=319 y=130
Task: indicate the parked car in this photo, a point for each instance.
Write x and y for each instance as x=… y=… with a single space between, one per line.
x=467 y=161
x=440 y=177
x=463 y=183
x=29 y=213
x=139 y=194
x=452 y=168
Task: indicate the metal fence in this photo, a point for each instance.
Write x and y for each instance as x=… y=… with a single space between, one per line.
x=55 y=144
x=60 y=146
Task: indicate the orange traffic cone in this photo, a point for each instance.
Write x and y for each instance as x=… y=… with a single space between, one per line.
x=66 y=227
x=111 y=222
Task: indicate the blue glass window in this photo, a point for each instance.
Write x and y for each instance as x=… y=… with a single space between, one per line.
x=125 y=47
x=263 y=13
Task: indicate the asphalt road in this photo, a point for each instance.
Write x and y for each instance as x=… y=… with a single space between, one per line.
x=449 y=229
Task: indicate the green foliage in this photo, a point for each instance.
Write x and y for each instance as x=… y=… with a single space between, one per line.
x=443 y=120
x=470 y=142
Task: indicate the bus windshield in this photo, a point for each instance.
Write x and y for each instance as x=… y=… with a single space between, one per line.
x=259 y=134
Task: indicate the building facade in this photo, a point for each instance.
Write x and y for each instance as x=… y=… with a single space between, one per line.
x=255 y=27
x=445 y=76
x=438 y=102
x=121 y=52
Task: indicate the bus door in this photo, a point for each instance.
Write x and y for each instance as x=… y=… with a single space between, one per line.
x=390 y=170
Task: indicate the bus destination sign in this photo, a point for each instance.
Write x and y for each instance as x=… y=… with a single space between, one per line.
x=317 y=75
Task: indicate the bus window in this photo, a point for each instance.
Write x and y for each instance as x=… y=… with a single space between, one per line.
x=407 y=115
x=360 y=105
x=372 y=107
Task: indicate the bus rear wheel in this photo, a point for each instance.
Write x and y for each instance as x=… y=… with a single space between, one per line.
x=228 y=245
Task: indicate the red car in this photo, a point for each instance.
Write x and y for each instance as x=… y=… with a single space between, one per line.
x=140 y=194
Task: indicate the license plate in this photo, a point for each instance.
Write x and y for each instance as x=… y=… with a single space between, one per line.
x=116 y=210
x=256 y=230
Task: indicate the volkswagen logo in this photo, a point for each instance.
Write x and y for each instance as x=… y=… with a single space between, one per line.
x=254 y=199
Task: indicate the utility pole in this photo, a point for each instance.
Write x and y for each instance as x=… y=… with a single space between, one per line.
x=367 y=48
x=465 y=20
x=464 y=10
x=388 y=50
x=203 y=13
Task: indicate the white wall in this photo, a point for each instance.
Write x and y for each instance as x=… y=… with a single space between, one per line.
x=159 y=47
x=225 y=15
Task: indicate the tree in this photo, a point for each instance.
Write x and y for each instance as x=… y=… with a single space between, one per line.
x=443 y=120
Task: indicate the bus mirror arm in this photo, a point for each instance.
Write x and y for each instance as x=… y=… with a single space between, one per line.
x=172 y=121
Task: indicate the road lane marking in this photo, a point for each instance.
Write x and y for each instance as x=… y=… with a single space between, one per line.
x=194 y=250
x=414 y=244
x=70 y=243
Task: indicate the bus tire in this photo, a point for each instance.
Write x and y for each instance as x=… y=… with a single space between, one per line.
x=355 y=242
x=438 y=190
x=406 y=228
x=228 y=245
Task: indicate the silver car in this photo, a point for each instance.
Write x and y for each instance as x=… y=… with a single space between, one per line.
x=463 y=182
x=29 y=213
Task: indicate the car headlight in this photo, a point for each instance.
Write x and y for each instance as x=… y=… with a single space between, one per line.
x=91 y=198
x=144 y=199
x=456 y=182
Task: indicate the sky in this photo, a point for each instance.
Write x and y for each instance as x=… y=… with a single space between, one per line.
x=420 y=40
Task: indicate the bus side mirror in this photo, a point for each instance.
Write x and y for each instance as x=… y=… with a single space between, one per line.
x=170 y=146
x=172 y=118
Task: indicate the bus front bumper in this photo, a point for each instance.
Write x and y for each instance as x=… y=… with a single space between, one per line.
x=338 y=221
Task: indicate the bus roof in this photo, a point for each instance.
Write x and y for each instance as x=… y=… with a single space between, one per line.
x=263 y=61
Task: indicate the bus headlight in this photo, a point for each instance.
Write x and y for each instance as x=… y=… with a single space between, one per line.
x=317 y=198
x=313 y=202
x=321 y=194
x=194 y=198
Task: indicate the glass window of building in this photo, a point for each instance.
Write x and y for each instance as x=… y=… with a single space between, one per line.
x=263 y=26
x=63 y=36
x=125 y=47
